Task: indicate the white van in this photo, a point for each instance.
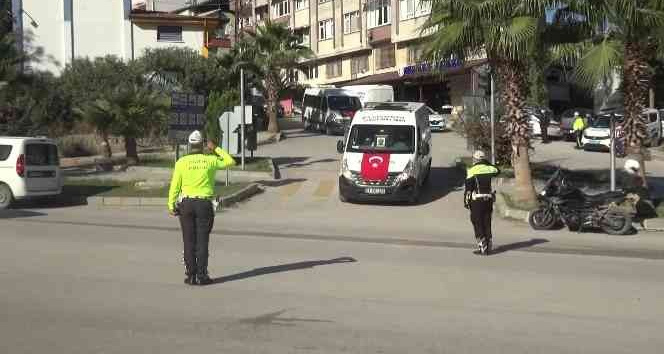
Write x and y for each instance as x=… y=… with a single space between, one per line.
x=328 y=110
x=387 y=154
x=372 y=93
x=29 y=167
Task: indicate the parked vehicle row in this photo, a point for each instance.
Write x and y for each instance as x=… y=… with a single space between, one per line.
x=29 y=167
x=330 y=110
x=598 y=134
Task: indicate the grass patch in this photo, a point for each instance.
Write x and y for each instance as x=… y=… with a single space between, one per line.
x=255 y=164
x=519 y=206
x=104 y=188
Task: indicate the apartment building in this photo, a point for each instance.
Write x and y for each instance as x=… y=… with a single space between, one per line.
x=68 y=29
x=368 y=42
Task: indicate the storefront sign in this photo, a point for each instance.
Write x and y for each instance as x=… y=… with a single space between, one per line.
x=428 y=68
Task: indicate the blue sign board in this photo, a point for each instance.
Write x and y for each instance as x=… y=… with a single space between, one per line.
x=428 y=68
x=187 y=114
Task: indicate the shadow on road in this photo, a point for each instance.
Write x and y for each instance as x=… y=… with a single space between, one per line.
x=442 y=181
x=281 y=268
x=275 y=319
x=17 y=213
x=518 y=245
x=282 y=182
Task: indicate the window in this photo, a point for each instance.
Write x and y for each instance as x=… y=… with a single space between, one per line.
x=395 y=139
x=385 y=57
x=301 y=4
x=280 y=8
x=302 y=35
x=378 y=13
x=333 y=69
x=169 y=34
x=312 y=101
x=245 y=22
x=359 y=65
x=325 y=30
x=293 y=75
x=351 y=22
x=413 y=8
x=415 y=54
x=323 y=1
x=41 y=155
x=313 y=72
x=261 y=14
x=344 y=103
x=5 y=150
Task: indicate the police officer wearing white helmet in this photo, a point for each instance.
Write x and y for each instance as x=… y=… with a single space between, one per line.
x=193 y=183
x=479 y=198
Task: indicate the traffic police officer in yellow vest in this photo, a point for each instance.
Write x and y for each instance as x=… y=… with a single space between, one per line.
x=578 y=126
x=193 y=183
x=479 y=198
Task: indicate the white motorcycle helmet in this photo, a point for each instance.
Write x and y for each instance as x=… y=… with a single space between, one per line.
x=632 y=166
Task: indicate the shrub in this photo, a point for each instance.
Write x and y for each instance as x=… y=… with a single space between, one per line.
x=78 y=145
x=477 y=131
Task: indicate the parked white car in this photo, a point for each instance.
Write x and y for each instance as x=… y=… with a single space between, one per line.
x=437 y=122
x=29 y=167
x=598 y=135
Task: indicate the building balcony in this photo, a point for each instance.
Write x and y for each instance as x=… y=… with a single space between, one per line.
x=223 y=42
x=379 y=35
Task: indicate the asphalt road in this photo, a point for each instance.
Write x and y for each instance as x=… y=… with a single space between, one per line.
x=71 y=288
x=299 y=272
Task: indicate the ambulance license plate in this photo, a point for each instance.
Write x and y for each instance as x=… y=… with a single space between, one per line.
x=375 y=190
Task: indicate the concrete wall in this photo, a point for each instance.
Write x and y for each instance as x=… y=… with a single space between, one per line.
x=73 y=28
x=49 y=35
x=145 y=36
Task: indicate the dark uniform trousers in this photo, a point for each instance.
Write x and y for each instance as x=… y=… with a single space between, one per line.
x=196 y=220
x=480 y=216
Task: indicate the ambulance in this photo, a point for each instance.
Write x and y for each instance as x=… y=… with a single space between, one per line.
x=386 y=153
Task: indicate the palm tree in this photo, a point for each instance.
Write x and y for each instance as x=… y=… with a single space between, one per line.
x=625 y=36
x=504 y=31
x=269 y=54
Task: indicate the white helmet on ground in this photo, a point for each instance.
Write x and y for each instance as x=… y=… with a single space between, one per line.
x=632 y=166
x=479 y=155
x=195 y=137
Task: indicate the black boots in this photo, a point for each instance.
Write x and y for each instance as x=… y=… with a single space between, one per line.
x=190 y=279
x=202 y=277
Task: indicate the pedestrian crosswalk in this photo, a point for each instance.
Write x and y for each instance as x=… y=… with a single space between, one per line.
x=314 y=190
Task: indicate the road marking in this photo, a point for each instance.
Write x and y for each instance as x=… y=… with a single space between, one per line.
x=289 y=190
x=325 y=188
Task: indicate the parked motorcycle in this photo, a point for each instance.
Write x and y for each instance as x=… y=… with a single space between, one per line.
x=612 y=212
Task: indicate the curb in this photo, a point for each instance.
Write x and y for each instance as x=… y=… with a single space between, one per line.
x=239 y=196
x=141 y=202
x=271 y=140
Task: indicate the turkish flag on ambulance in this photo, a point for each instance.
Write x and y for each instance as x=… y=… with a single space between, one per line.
x=375 y=166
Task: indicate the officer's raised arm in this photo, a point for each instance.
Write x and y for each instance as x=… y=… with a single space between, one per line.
x=224 y=159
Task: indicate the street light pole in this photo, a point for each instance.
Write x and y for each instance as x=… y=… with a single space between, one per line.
x=493 y=126
x=242 y=115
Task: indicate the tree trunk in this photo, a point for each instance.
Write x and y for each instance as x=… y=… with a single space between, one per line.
x=636 y=75
x=272 y=102
x=107 y=152
x=513 y=95
x=132 y=151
